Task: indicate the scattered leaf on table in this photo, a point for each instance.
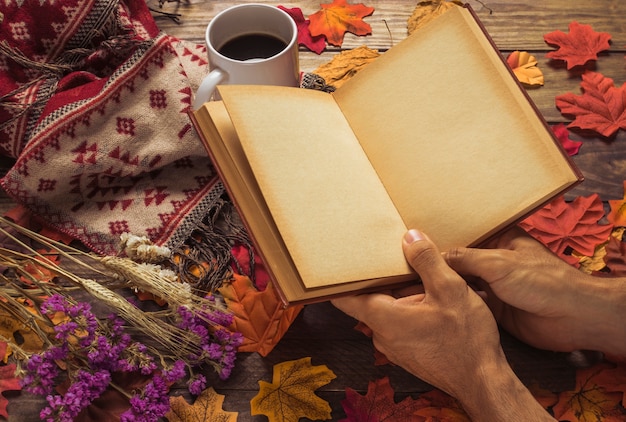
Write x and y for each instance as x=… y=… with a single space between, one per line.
x=439 y=406
x=291 y=395
x=614 y=379
x=579 y=46
x=259 y=316
x=615 y=258
x=316 y=44
x=524 y=66
x=560 y=225
x=617 y=215
x=8 y=382
x=345 y=65
x=339 y=17
x=589 y=401
x=594 y=263
x=562 y=134
x=378 y=404
x=601 y=108
x=207 y=407
x=426 y=11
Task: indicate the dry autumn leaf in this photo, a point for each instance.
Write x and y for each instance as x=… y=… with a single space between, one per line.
x=581 y=45
x=426 y=11
x=590 y=401
x=345 y=65
x=524 y=66
x=315 y=44
x=378 y=404
x=8 y=382
x=439 y=406
x=561 y=225
x=615 y=258
x=207 y=407
x=259 y=316
x=291 y=395
x=601 y=108
x=617 y=215
x=339 y=17
x=562 y=134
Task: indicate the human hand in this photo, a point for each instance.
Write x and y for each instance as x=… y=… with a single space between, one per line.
x=541 y=299
x=444 y=336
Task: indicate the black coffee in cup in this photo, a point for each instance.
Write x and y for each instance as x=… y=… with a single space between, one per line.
x=252 y=46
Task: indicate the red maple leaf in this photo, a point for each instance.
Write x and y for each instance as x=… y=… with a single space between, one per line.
x=8 y=382
x=562 y=134
x=560 y=225
x=379 y=404
x=579 y=46
x=337 y=18
x=617 y=216
x=316 y=44
x=601 y=107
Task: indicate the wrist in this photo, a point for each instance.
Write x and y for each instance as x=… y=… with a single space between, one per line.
x=602 y=305
x=499 y=395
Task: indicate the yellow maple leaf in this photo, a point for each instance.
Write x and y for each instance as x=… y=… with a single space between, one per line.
x=524 y=66
x=291 y=395
x=207 y=407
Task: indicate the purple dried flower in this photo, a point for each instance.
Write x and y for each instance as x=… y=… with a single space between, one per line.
x=197 y=384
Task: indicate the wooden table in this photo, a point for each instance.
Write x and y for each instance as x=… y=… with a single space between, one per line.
x=328 y=336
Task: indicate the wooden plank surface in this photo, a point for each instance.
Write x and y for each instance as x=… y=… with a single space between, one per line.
x=327 y=335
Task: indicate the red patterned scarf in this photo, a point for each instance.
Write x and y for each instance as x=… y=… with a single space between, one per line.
x=93 y=106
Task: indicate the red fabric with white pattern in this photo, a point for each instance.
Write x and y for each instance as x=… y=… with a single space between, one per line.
x=93 y=104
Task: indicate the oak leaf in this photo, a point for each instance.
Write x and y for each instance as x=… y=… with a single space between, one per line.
x=259 y=316
x=579 y=46
x=345 y=65
x=337 y=18
x=562 y=134
x=560 y=225
x=378 y=404
x=524 y=66
x=8 y=382
x=601 y=108
x=315 y=44
x=589 y=401
x=207 y=407
x=291 y=395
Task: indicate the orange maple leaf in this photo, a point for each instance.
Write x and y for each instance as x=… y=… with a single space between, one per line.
x=207 y=407
x=291 y=395
x=337 y=18
x=560 y=225
x=259 y=316
x=601 y=107
x=581 y=45
x=590 y=401
x=617 y=216
x=524 y=66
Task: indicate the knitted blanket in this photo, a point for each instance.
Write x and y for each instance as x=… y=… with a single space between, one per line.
x=93 y=107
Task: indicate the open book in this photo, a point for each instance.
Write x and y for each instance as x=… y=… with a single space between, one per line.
x=436 y=134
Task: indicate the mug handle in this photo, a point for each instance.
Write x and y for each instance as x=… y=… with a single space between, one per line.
x=206 y=88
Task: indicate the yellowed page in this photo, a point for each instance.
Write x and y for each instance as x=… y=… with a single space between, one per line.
x=333 y=213
x=458 y=147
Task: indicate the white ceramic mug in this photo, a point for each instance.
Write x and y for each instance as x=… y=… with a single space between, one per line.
x=255 y=44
